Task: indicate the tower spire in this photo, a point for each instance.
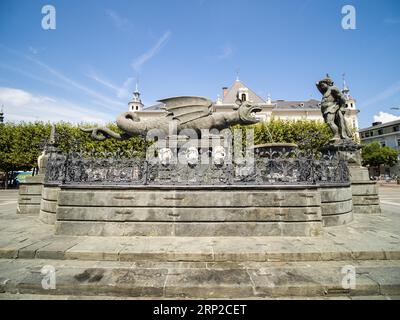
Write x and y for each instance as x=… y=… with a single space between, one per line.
x=136 y=103
x=269 y=100
x=137 y=85
x=345 y=89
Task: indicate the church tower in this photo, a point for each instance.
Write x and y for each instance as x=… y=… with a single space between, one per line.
x=351 y=103
x=351 y=106
x=136 y=103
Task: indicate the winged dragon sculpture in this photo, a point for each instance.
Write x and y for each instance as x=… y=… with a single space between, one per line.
x=186 y=113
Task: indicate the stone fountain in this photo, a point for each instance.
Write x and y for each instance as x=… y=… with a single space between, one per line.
x=191 y=184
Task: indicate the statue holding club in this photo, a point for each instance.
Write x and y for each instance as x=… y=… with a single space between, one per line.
x=333 y=108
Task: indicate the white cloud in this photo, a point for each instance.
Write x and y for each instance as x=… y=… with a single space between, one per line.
x=385 y=94
x=141 y=60
x=33 y=50
x=119 y=22
x=77 y=85
x=21 y=105
x=385 y=117
x=34 y=77
x=227 y=51
x=68 y=82
x=122 y=92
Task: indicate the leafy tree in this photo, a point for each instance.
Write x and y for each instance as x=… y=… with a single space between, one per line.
x=307 y=134
x=6 y=142
x=22 y=143
x=374 y=155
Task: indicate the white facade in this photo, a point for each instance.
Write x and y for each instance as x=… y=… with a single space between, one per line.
x=136 y=103
x=388 y=135
x=278 y=109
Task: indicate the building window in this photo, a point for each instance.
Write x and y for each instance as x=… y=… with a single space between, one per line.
x=243 y=97
x=380 y=132
x=398 y=142
x=396 y=129
x=367 y=134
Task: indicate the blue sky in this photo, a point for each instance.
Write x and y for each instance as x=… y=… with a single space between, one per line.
x=85 y=69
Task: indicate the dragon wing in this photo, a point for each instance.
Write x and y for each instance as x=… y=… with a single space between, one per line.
x=185 y=109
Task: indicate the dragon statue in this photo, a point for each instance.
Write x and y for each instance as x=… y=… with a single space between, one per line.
x=186 y=113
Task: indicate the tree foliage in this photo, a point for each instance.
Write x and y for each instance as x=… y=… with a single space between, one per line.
x=22 y=143
x=307 y=134
x=374 y=155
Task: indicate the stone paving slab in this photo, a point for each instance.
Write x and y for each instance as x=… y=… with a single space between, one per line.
x=368 y=237
x=8 y=296
x=171 y=280
x=209 y=267
x=193 y=249
x=331 y=246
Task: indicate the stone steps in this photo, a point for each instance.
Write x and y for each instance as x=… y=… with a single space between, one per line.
x=201 y=280
x=192 y=249
x=12 y=296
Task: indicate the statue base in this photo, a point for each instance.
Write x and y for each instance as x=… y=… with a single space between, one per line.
x=117 y=196
x=30 y=194
x=201 y=211
x=48 y=203
x=365 y=192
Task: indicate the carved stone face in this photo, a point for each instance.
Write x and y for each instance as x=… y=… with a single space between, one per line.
x=192 y=156
x=247 y=113
x=219 y=155
x=165 y=156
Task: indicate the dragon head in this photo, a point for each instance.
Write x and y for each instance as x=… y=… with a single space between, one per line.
x=247 y=113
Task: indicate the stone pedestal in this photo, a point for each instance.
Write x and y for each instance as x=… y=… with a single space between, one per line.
x=30 y=194
x=48 y=204
x=336 y=205
x=364 y=191
x=189 y=211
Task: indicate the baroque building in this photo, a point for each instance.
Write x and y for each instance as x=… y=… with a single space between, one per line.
x=278 y=109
